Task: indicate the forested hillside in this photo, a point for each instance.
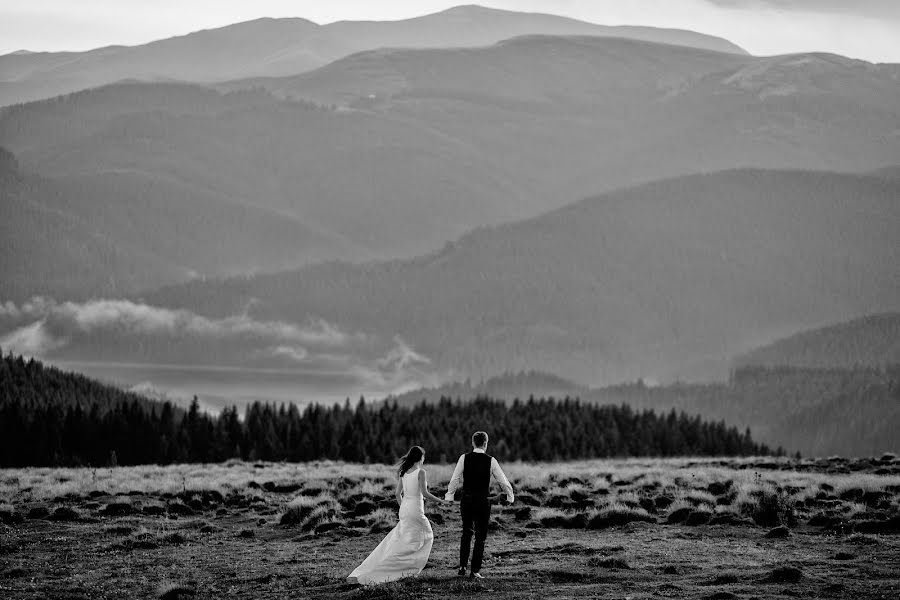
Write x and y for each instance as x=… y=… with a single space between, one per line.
x=663 y=281
x=115 y=233
x=818 y=412
x=871 y=341
x=59 y=250
x=48 y=417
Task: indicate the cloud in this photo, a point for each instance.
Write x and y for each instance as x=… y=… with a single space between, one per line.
x=400 y=369
x=124 y=316
x=31 y=340
x=881 y=9
x=402 y=356
x=294 y=353
x=123 y=331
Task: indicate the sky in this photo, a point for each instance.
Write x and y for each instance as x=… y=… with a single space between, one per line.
x=865 y=29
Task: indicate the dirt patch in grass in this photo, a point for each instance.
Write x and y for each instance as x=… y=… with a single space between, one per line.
x=564 y=549
x=608 y=562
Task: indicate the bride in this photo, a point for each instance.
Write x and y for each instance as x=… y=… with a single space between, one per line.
x=404 y=551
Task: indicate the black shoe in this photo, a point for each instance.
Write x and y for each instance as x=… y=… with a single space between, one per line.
x=476 y=576
x=461 y=572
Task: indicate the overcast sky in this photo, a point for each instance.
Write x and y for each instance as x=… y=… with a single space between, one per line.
x=867 y=29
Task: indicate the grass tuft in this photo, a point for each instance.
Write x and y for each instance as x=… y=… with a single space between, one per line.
x=617 y=514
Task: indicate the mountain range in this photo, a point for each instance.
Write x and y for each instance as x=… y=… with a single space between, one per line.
x=817 y=413
x=823 y=391
x=287 y=46
x=385 y=206
x=392 y=153
x=665 y=280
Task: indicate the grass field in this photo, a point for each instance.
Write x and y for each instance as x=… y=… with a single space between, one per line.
x=742 y=528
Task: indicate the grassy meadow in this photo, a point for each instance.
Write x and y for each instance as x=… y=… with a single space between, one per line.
x=638 y=528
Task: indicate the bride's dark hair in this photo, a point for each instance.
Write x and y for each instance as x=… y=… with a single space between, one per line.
x=413 y=456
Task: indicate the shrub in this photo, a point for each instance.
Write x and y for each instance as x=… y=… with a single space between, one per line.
x=310 y=511
x=8 y=514
x=855 y=509
x=323 y=513
x=608 y=562
x=698 y=516
x=628 y=499
x=65 y=513
x=382 y=520
x=699 y=497
x=617 y=514
x=769 y=508
x=117 y=509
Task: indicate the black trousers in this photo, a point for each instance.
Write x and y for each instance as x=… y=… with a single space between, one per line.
x=476 y=512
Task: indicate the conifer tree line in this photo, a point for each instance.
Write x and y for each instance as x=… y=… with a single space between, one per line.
x=49 y=418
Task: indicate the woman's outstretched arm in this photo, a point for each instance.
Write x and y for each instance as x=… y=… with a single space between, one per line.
x=423 y=486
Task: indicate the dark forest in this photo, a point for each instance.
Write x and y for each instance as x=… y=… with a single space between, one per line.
x=49 y=417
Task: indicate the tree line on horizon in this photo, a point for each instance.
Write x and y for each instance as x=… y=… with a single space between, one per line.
x=53 y=418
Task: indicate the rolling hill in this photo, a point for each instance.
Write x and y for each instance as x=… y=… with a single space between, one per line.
x=271 y=47
x=892 y=172
x=871 y=341
x=112 y=234
x=669 y=279
x=391 y=153
x=818 y=412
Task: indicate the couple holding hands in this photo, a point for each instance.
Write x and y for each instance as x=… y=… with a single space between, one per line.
x=405 y=550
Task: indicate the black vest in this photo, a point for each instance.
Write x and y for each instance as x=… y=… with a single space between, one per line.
x=477 y=475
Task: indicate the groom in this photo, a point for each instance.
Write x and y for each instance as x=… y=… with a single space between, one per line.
x=473 y=471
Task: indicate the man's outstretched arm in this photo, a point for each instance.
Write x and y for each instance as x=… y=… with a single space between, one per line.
x=456 y=480
x=500 y=476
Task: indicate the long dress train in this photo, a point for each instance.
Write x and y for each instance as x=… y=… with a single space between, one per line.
x=405 y=550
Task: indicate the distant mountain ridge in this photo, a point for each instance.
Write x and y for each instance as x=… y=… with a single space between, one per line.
x=665 y=280
x=287 y=46
x=818 y=412
x=870 y=341
x=533 y=69
x=114 y=233
x=414 y=148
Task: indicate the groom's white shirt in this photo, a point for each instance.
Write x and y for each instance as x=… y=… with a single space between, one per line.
x=496 y=471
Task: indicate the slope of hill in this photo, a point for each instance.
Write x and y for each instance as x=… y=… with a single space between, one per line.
x=871 y=341
x=50 y=417
x=554 y=72
x=662 y=280
x=116 y=233
x=454 y=139
x=29 y=384
x=818 y=412
x=891 y=172
x=271 y=47
x=59 y=250
x=472 y=25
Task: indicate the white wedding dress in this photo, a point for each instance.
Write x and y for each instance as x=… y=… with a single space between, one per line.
x=405 y=550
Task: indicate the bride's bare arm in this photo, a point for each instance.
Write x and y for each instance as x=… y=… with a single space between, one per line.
x=423 y=486
x=399 y=490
